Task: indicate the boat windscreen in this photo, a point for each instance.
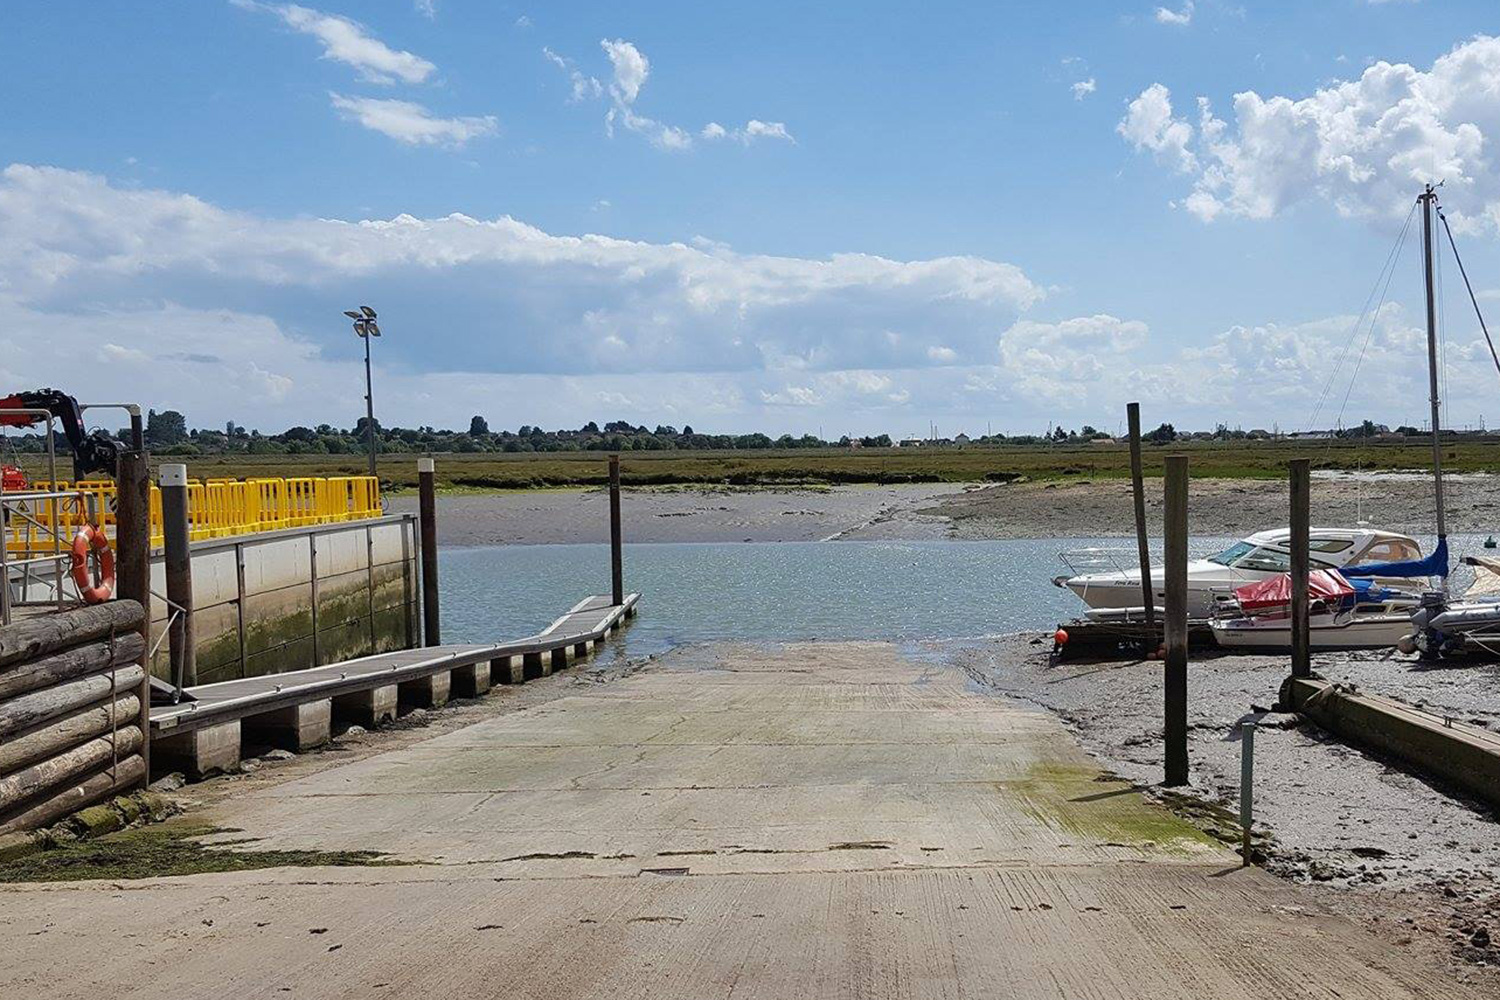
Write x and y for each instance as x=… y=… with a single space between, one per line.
x=1232 y=554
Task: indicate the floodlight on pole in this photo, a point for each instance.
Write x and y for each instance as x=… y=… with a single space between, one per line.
x=365 y=328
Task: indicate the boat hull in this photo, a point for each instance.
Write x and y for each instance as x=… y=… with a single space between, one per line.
x=1375 y=632
x=1113 y=595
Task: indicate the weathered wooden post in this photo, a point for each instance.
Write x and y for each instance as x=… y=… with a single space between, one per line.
x=1301 y=476
x=616 y=556
x=427 y=512
x=178 y=559
x=133 y=569
x=1175 y=622
x=1143 y=547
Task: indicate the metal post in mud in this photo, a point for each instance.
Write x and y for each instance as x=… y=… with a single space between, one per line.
x=1138 y=488
x=427 y=513
x=178 y=559
x=616 y=557
x=1175 y=622
x=1300 y=524
x=1247 y=785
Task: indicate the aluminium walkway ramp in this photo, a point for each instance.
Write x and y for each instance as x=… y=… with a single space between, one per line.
x=587 y=622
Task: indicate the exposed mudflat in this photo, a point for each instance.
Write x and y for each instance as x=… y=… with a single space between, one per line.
x=1219 y=506
x=1073 y=509
x=675 y=514
x=1405 y=852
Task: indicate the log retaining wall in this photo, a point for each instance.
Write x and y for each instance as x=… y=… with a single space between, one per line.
x=74 y=708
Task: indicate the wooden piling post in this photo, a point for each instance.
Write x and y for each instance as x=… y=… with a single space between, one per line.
x=1301 y=477
x=133 y=570
x=1138 y=488
x=1175 y=621
x=427 y=509
x=616 y=556
x=178 y=559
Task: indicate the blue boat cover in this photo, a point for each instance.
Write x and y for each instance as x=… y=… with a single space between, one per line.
x=1435 y=564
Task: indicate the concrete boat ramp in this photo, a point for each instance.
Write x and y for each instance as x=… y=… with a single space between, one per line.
x=818 y=820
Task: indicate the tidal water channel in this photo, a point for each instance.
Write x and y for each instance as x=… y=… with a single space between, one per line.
x=766 y=591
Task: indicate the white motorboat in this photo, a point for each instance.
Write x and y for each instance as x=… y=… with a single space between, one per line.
x=1101 y=580
x=1343 y=614
x=1344 y=630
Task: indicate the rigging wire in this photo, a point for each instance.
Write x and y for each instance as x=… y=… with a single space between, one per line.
x=1442 y=333
x=1364 y=347
x=1389 y=265
x=1389 y=274
x=1473 y=299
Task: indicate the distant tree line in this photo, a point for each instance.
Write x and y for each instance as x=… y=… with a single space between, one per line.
x=167 y=433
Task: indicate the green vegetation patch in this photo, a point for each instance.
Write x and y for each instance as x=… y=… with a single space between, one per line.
x=1079 y=799
x=168 y=849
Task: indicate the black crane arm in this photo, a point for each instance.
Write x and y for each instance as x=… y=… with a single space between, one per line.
x=92 y=452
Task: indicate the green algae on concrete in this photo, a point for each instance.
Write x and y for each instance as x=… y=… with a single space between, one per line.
x=168 y=849
x=1080 y=799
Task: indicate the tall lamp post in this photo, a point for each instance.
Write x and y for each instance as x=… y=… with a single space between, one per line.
x=365 y=328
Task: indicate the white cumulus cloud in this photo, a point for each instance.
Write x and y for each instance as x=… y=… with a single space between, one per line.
x=630 y=67
x=752 y=131
x=411 y=123
x=1181 y=17
x=629 y=70
x=1084 y=88
x=1365 y=145
x=584 y=86
x=212 y=296
x=1149 y=124
x=350 y=43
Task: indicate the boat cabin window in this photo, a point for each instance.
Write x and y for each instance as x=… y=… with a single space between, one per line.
x=1390 y=550
x=1231 y=554
x=1328 y=544
x=1265 y=560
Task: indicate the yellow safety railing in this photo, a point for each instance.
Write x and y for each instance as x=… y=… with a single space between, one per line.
x=217 y=508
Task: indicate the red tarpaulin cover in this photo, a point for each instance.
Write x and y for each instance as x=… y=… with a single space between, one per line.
x=1326 y=585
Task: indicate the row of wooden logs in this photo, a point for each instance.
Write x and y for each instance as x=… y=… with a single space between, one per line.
x=71 y=685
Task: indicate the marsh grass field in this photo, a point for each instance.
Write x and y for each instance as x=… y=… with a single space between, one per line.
x=486 y=471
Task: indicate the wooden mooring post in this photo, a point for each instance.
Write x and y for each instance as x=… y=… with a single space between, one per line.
x=1175 y=622
x=133 y=572
x=616 y=555
x=1301 y=479
x=178 y=559
x=427 y=513
x=1142 y=544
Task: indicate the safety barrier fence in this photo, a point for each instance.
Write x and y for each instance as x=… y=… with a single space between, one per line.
x=217 y=508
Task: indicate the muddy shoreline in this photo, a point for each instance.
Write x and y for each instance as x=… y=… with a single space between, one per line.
x=1394 y=502
x=681 y=514
x=937 y=511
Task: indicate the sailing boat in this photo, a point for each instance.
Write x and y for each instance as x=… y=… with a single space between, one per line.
x=1346 y=612
x=1442 y=627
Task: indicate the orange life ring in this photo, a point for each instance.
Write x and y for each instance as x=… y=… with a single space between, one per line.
x=90 y=537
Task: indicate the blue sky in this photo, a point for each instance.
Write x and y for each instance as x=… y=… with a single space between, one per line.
x=860 y=217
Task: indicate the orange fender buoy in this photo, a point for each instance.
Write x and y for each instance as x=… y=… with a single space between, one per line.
x=90 y=537
x=1060 y=637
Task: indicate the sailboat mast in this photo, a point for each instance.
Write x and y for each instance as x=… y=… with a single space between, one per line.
x=1428 y=198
